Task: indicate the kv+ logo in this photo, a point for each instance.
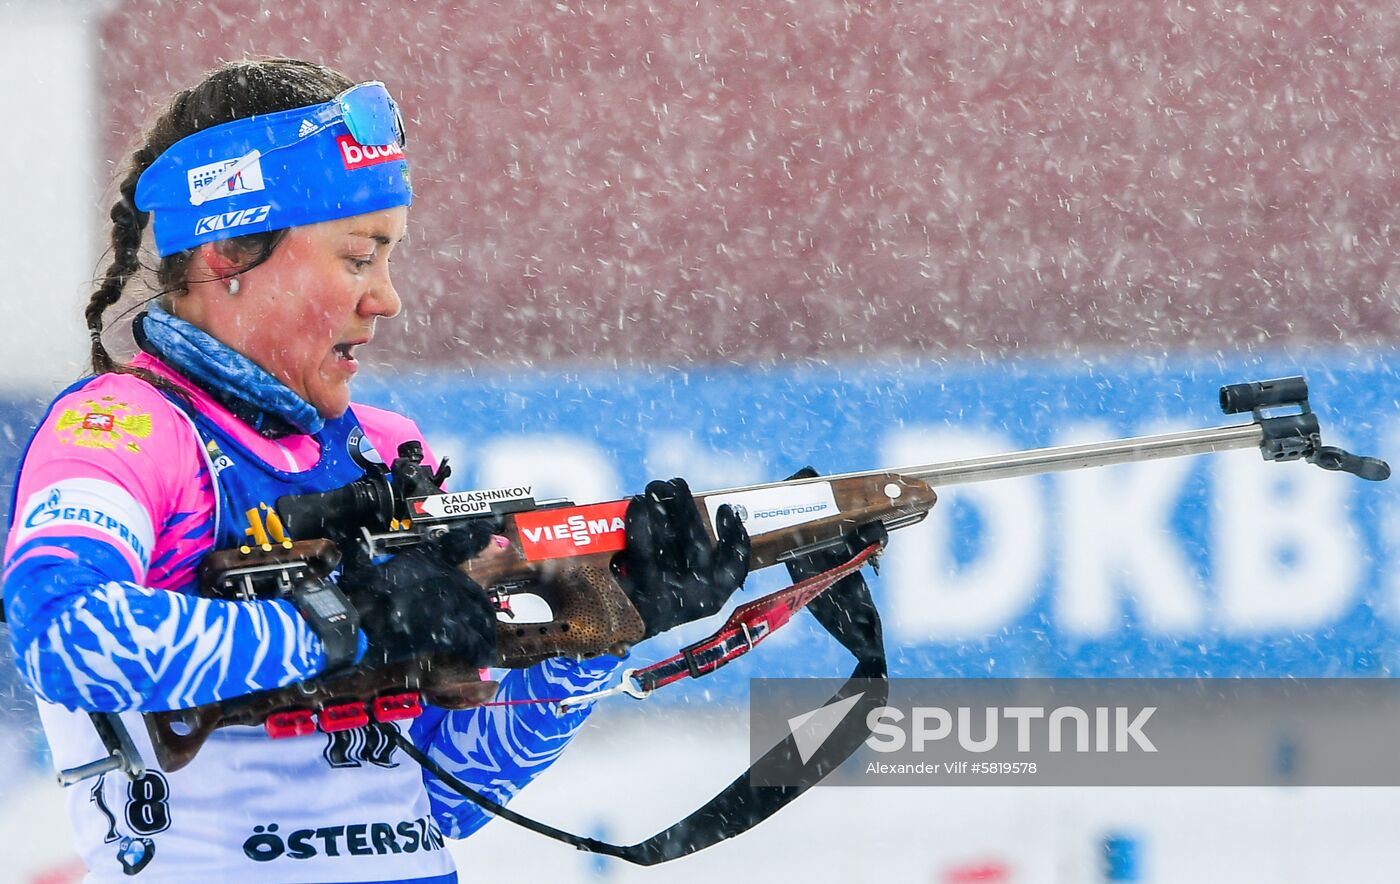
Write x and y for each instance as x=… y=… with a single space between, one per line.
x=226 y=220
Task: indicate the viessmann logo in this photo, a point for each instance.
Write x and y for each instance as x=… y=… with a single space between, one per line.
x=575 y=531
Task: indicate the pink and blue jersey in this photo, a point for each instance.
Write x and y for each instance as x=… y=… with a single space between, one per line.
x=121 y=494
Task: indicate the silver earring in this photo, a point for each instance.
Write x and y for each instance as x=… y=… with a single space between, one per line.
x=233 y=286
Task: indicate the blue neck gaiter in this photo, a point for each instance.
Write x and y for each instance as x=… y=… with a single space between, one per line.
x=232 y=379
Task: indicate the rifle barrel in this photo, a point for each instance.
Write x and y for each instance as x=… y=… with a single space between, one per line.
x=1094 y=454
x=1016 y=464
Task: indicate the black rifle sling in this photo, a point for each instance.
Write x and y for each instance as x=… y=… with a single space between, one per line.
x=848 y=612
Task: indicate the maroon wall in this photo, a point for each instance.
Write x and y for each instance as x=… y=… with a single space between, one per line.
x=744 y=181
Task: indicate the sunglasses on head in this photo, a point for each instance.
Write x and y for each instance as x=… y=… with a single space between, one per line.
x=369 y=113
x=366 y=109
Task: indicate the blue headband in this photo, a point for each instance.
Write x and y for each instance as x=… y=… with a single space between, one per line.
x=279 y=170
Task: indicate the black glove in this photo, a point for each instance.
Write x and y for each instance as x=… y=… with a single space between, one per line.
x=669 y=569
x=419 y=602
x=824 y=560
x=846 y=609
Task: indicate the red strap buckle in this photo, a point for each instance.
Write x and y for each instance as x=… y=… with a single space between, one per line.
x=342 y=717
x=290 y=723
x=395 y=707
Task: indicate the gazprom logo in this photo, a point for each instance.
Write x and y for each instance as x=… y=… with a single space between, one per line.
x=93 y=505
x=228 y=220
x=45 y=512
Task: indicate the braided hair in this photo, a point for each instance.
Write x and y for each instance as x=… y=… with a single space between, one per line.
x=232 y=92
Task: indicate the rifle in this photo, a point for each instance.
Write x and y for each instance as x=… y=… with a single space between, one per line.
x=563 y=553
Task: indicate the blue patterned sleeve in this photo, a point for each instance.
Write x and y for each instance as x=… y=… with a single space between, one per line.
x=109 y=644
x=95 y=515
x=498 y=750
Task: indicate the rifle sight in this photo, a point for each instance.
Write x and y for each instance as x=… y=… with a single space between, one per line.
x=370 y=502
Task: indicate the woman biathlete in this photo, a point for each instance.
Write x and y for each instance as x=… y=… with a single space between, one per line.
x=275 y=192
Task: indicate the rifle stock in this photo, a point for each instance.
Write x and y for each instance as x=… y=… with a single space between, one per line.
x=590 y=614
x=177 y=736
